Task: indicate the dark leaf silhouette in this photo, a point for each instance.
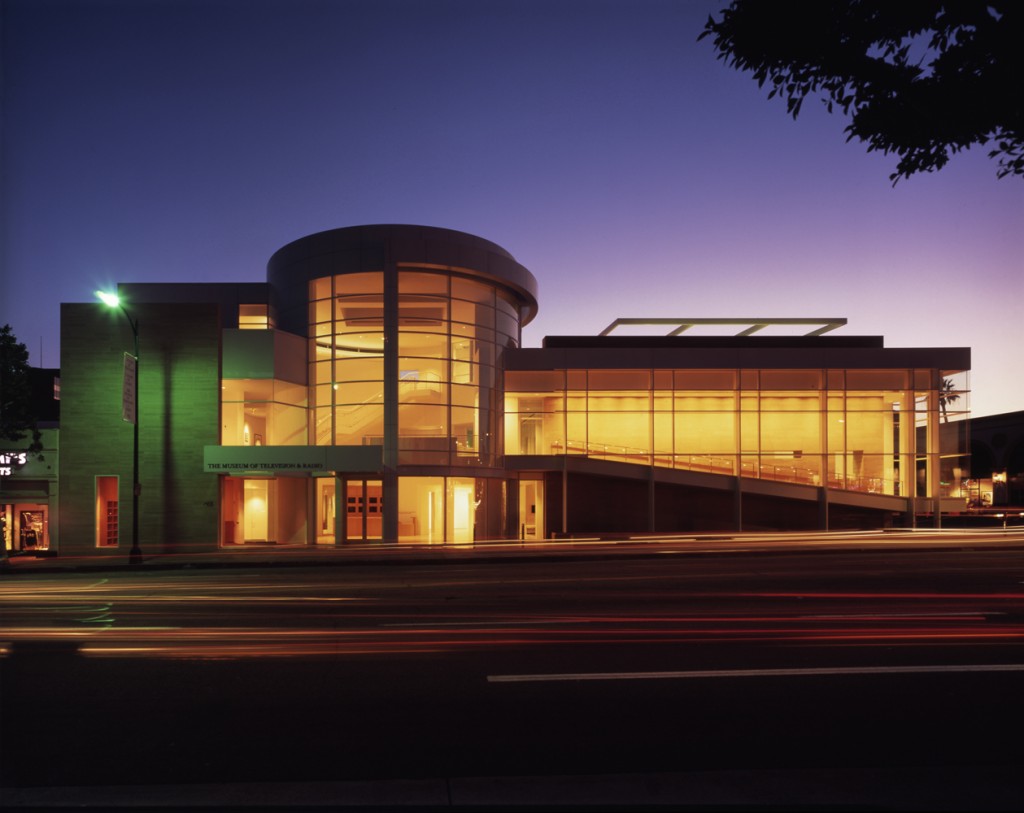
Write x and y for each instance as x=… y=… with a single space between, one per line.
x=920 y=79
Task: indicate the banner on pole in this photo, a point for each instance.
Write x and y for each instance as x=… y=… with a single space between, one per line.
x=128 y=390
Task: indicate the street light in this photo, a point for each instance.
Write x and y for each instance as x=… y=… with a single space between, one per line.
x=113 y=301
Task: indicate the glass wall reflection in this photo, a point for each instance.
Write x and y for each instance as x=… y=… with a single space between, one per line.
x=863 y=430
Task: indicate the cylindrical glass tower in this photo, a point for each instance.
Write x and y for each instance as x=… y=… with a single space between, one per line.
x=407 y=328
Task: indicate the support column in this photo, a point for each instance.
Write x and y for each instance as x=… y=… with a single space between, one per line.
x=932 y=451
x=340 y=510
x=389 y=476
x=907 y=451
x=823 y=456
x=737 y=503
x=565 y=498
x=651 y=506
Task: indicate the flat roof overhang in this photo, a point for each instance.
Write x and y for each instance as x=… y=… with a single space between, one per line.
x=732 y=352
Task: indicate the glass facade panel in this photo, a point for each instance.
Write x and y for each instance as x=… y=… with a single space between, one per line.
x=358 y=424
x=472 y=313
x=466 y=396
x=750 y=432
x=535 y=424
x=346 y=373
x=504 y=303
x=421 y=379
x=359 y=312
x=619 y=380
x=254 y=317
x=472 y=290
x=848 y=439
x=705 y=401
x=421 y=507
x=428 y=345
x=705 y=433
x=876 y=379
x=705 y=379
x=507 y=325
x=358 y=392
x=363 y=283
x=791 y=468
x=790 y=379
x=461 y=513
x=320 y=427
x=422 y=282
x=320 y=311
x=605 y=401
x=576 y=433
x=262 y=412
x=622 y=436
x=320 y=289
x=465 y=431
x=790 y=402
x=359 y=369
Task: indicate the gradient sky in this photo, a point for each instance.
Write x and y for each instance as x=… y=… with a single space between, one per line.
x=596 y=140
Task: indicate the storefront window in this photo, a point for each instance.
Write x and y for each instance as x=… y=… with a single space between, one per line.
x=107 y=512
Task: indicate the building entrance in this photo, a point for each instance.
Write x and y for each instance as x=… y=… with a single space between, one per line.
x=531 y=509
x=24 y=527
x=364 y=505
x=326 y=502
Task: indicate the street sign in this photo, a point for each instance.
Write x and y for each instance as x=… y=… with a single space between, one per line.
x=128 y=389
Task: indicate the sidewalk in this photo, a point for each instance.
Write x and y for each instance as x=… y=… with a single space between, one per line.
x=607 y=546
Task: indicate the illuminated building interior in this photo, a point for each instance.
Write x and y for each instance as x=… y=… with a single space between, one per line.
x=850 y=429
x=375 y=389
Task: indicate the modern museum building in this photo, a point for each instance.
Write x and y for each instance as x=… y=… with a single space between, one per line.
x=375 y=388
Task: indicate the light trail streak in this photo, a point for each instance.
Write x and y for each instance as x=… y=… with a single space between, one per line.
x=743 y=673
x=448 y=636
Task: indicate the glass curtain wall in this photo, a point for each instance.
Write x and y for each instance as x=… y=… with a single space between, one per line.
x=863 y=430
x=346 y=360
x=451 y=334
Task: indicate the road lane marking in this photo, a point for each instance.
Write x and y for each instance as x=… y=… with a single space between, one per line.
x=731 y=673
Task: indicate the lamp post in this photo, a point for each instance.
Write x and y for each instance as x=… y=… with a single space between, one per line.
x=113 y=301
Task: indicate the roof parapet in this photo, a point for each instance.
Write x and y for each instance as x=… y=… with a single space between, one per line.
x=751 y=325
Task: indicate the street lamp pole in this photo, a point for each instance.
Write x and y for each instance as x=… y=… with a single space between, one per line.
x=135 y=555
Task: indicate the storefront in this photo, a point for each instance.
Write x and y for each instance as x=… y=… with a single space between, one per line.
x=28 y=498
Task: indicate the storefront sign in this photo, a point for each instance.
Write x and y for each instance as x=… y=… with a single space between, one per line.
x=272 y=460
x=9 y=461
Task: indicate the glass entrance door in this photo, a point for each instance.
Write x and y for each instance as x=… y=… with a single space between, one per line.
x=531 y=509
x=364 y=507
x=325 y=488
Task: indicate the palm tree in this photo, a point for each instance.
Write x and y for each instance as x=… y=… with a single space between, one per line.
x=946 y=397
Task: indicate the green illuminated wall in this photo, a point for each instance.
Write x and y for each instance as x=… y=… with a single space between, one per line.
x=179 y=393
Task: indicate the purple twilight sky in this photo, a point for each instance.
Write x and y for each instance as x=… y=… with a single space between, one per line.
x=601 y=144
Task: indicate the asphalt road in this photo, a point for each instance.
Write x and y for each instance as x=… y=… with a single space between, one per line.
x=807 y=678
